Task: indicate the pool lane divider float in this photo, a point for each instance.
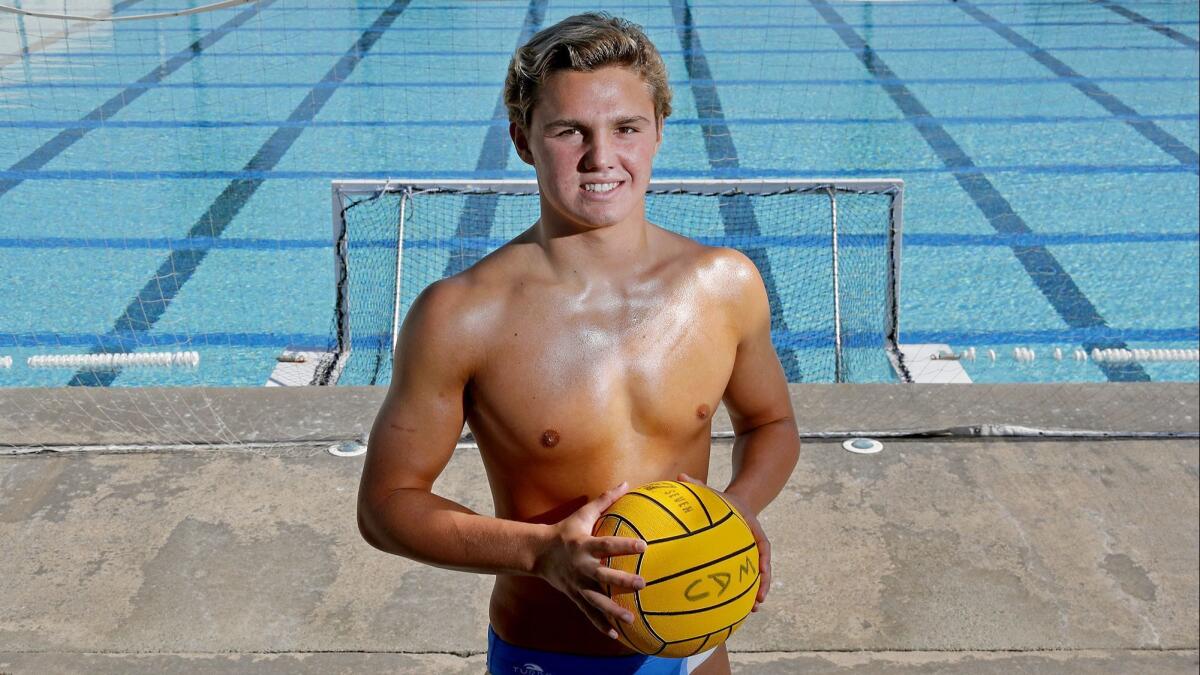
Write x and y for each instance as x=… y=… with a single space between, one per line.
x=943 y=364
x=110 y=361
x=1027 y=355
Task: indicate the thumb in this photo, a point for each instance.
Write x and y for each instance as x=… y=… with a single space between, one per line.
x=605 y=500
x=683 y=477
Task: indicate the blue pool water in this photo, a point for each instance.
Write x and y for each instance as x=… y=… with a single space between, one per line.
x=164 y=185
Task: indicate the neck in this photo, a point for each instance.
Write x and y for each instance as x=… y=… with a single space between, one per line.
x=607 y=253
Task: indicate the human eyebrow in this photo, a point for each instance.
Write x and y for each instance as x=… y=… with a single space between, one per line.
x=565 y=122
x=622 y=121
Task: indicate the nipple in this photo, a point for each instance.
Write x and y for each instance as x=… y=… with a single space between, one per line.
x=702 y=412
x=549 y=438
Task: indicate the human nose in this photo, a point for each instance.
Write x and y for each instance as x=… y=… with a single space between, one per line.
x=601 y=153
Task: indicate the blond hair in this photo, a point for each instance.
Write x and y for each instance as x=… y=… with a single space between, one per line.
x=584 y=42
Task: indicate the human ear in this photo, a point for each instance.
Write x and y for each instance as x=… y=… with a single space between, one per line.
x=520 y=142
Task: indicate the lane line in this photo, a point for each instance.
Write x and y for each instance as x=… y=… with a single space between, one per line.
x=1044 y=270
x=152 y=301
x=438 y=53
x=737 y=212
x=801 y=340
x=65 y=139
x=1088 y=87
x=1159 y=27
x=677 y=27
x=498 y=6
x=503 y=122
x=479 y=211
x=1076 y=80
x=252 y=174
x=486 y=243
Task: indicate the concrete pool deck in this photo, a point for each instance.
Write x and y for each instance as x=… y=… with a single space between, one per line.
x=965 y=555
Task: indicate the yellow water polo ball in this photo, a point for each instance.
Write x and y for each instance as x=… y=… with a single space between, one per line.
x=700 y=566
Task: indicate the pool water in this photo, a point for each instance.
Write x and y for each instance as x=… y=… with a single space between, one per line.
x=165 y=184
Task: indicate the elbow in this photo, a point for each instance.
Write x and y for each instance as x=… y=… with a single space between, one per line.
x=366 y=528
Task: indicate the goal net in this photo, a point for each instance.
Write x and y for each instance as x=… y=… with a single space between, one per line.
x=828 y=252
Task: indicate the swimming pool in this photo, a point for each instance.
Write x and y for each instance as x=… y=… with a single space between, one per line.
x=165 y=184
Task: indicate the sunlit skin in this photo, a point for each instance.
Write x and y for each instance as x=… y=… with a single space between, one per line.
x=589 y=351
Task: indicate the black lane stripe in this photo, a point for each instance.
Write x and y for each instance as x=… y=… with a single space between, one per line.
x=67 y=137
x=1148 y=23
x=152 y=301
x=479 y=211
x=706 y=528
x=1043 y=268
x=1148 y=129
x=667 y=511
x=705 y=609
x=737 y=212
x=706 y=513
x=700 y=567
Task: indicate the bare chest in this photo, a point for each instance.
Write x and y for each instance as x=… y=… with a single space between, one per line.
x=561 y=382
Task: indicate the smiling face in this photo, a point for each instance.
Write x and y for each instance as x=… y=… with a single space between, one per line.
x=592 y=138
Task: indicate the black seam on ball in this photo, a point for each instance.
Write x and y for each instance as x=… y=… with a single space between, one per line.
x=664 y=508
x=699 y=567
x=702 y=506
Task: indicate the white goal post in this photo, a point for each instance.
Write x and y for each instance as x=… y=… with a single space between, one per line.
x=348 y=193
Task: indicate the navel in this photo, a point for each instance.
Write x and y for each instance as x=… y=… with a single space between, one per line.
x=702 y=411
x=549 y=438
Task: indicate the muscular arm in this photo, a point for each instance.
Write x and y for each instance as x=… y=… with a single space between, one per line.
x=766 y=443
x=413 y=439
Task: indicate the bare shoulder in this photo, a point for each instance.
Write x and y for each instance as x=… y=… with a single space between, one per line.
x=464 y=309
x=733 y=268
x=727 y=273
x=446 y=324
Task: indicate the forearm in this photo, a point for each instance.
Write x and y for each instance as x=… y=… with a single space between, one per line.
x=763 y=459
x=422 y=526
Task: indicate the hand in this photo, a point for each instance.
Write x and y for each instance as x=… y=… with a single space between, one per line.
x=571 y=563
x=760 y=538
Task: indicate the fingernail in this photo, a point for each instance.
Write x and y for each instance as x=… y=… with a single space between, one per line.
x=640 y=546
x=612 y=634
x=628 y=618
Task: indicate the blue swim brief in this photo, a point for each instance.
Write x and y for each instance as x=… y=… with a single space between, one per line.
x=507 y=659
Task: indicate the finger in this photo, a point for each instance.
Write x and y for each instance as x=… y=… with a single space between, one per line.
x=619 y=581
x=597 y=617
x=764 y=568
x=594 y=508
x=607 y=606
x=603 y=547
x=764 y=586
x=685 y=478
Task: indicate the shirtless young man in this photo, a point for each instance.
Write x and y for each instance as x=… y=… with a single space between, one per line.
x=588 y=352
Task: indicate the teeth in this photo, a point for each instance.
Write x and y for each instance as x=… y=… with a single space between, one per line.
x=600 y=187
